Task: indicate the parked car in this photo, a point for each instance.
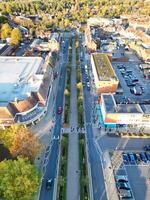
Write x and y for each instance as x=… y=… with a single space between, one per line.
x=121 y=178
x=120 y=66
x=131 y=90
x=124 y=194
x=125 y=158
x=147 y=155
x=147 y=147
x=137 y=90
x=137 y=157
x=122 y=185
x=49 y=183
x=129 y=72
x=143 y=157
x=130 y=83
x=132 y=158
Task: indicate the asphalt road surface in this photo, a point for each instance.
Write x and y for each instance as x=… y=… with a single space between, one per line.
x=94 y=158
x=51 y=167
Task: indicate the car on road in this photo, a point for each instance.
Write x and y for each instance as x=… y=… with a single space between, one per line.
x=56 y=138
x=132 y=158
x=55 y=75
x=125 y=158
x=88 y=84
x=147 y=148
x=49 y=183
x=59 y=110
x=143 y=157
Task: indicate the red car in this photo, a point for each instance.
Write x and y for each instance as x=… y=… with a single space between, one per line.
x=59 y=110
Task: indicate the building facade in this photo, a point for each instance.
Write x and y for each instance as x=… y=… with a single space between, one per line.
x=105 y=78
x=115 y=115
x=25 y=86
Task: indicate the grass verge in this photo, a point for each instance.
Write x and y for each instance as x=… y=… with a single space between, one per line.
x=62 y=182
x=79 y=91
x=67 y=91
x=84 y=181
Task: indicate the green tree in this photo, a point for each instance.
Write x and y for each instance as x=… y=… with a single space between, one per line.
x=8 y=135
x=19 y=179
x=15 y=36
x=5 y=31
x=3 y=19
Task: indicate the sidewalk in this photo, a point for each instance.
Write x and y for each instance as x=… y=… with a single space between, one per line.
x=73 y=192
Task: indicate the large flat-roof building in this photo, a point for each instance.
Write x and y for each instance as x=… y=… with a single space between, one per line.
x=114 y=114
x=24 y=89
x=104 y=75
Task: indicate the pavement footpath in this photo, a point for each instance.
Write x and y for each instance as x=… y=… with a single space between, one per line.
x=73 y=192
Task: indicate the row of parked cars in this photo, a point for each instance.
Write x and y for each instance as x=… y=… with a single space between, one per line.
x=86 y=79
x=123 y=187
x=136 y=158
x=131 y=80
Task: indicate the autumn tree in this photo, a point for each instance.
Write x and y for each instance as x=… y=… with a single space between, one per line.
x=5 y=31
x=25 y=144
x=20 y=142
x=15 y=36
x=19 y=179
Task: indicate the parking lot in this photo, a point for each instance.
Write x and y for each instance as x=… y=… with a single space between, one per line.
x=136 y=172
x=138 y=177
x=126 y=71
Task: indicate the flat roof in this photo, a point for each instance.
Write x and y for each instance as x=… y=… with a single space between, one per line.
x=103 y=67
x=112 y=107
x=19 y=76
x=109 y=103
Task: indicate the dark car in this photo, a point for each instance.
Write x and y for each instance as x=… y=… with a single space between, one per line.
x=121 y=178
x=132 y=158
x=131 y=90
x=125 y=158
x=55 y=75
x=49 y=184
x=59 y=110
x=147 y=155
x=147 y=148
x=143 y=157
x=130 y=83
x=123 y=185
x=137 y=157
